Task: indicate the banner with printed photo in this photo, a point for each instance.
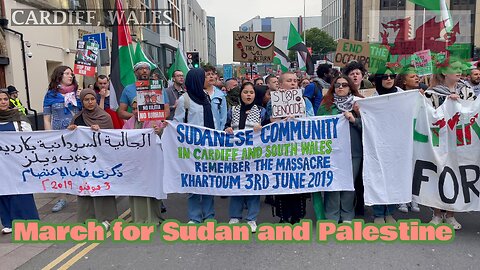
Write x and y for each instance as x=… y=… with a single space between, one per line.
x=86 y=58
x=388 y=146
x=285 y=157
x=150 y=101
x=82 y=162
x=447 y=156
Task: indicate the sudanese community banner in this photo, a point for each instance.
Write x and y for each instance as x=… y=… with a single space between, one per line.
x=82 y=162
x=447 y=156
x=286 y=157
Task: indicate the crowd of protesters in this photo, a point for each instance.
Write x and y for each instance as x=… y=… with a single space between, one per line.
x=201 y=97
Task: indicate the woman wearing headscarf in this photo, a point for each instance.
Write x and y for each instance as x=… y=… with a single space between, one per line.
x=247 y=115
x=60 y=105
x=21 y=206
x=144 y=209
x=102 y=208
x=385 y=84
x=195 y=108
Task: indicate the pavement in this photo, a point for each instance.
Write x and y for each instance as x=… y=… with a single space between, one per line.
x=462 y=253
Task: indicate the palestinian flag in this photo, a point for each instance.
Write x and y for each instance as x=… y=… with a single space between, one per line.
x=178 y=64
x=122 y=57
x=281 y=59
x=141 y=57
x=295 y=43
x=437 y=6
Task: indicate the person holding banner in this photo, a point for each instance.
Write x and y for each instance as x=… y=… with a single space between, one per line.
x=385 y=84
x=102 y=208
x=409 y=80
x=446 y=84
x=195 y=108
x=144 y=209
x=59 y=106
x=247 y=115
x=340 y=99
x=21 y=206
x=292 y=207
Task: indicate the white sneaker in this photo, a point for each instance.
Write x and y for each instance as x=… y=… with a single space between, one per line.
x=253 y=225
x=347 y=221
x=452 y=221
x=403 y=208
x=390 y=219
x=191 y=222
x=234 y=221
x=436 y=220
x=415 y=207
x=6 y=230
x=106 y=224
x=379 y=220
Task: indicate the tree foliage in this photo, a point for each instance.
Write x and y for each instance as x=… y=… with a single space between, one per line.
x=320 y=41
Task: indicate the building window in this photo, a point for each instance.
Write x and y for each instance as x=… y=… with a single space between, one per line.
x=392 y=4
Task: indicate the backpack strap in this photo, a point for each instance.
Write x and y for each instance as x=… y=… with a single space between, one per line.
x=186 y=104
x=318 y=89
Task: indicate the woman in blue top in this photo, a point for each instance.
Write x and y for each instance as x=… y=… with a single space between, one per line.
x=59 y=106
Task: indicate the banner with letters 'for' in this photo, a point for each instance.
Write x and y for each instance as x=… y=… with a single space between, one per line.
x=82 y=162
x=447 y=156
x=286 y=157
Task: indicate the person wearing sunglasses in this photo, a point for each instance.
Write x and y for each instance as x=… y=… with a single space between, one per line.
x=385 y=84
x=340 y=98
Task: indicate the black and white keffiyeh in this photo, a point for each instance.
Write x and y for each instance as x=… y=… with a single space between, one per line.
x=345 y=103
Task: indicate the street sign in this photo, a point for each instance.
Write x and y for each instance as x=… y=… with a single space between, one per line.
x=100 y=38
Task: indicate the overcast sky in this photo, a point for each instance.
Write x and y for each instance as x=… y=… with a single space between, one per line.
x=230 y=14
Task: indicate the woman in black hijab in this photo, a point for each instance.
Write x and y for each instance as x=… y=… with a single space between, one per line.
x=385 y=82
x=195 y=108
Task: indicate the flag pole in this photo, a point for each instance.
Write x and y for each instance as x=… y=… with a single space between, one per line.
x=303 y=21
x=423 y=37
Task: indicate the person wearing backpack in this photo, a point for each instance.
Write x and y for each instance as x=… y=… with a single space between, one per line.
x=196 y=107
x=217 y=98
x=313 y=91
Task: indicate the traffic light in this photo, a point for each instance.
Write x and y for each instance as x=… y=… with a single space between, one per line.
x=193 y=59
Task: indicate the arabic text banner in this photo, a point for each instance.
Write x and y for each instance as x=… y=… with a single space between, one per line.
x=294 y=156
x=82 y=162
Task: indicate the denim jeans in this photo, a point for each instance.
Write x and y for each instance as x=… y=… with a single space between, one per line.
x=237 y=204
x=200 y=207
x=384 y=210
x=339 y=205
